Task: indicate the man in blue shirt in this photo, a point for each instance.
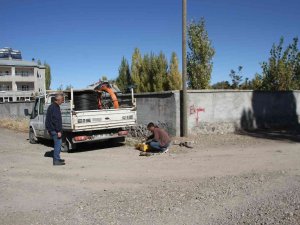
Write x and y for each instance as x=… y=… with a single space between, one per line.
x=54 y=126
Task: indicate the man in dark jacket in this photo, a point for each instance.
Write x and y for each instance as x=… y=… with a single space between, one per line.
x=54 y=127
x=159 y=140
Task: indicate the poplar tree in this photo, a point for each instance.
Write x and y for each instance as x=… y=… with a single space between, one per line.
x=47 y=76
x=174 y=80
x=124 y=80
x=146 y=76
x=136 y=67
x=159 y=72
x=199 y=57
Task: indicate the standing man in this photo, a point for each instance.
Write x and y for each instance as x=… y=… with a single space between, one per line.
x=54 y=127
x=159 y=140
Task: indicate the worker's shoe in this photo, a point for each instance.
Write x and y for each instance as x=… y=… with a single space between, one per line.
x=58 y=163
x=61 y=160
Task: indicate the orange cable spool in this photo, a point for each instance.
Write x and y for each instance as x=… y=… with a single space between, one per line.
x=106 y=88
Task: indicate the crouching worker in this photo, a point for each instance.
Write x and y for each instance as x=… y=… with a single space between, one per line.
x=159 y=140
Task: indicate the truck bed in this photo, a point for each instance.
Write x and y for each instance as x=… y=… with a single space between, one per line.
x=88 y=120
x=102 y=119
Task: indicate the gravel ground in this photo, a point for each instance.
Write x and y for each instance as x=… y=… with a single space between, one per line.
x=224 y=179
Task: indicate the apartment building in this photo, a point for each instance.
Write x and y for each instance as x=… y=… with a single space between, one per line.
x=20 y=80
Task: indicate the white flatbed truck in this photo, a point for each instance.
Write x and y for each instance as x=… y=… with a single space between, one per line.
x=85 y=123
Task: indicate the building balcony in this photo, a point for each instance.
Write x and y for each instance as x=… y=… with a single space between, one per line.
x=5 y=89
x=25 y=89
x=5 y=74
x=24 y=78
x=5 y=86
x=24 y=74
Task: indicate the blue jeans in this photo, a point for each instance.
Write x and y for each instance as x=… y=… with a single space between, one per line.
x=156 y=146
x=57 y=145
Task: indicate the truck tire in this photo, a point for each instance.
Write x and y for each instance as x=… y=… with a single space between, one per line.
x=65 y=147
x=32 y=137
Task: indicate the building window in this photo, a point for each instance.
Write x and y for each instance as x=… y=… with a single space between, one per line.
x=10 y=99
x=24 y=73
x=1 y=100
x=25 y=88
x=4 y=73
x=4 y=87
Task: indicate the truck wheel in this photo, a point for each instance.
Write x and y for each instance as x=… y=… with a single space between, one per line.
x=65 y=147
x=32 y=137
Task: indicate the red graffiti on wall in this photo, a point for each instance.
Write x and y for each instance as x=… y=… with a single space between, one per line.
x=194 y=110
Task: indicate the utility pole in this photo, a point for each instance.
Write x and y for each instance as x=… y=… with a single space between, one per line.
x=184 y=72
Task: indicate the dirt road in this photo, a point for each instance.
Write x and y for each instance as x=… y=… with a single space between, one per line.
x=227 y=179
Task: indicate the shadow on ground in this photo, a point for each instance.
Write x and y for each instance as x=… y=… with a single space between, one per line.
x=282 y=135
x=84 y=147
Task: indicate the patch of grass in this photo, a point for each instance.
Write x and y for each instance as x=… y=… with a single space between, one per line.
x=18 y=124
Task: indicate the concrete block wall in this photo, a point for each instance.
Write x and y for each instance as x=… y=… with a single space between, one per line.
x=223 y=111
x=161 y=108
x=15 y=109
x=209 y=111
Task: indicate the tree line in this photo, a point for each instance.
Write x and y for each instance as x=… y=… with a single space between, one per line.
x=154 y=73
x=149 y=73
x=281 y=72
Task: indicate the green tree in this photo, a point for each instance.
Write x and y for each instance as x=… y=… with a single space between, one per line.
x=104 y=78
x=136 y=67
x=282 y=72
x=246 y=85
x=221 y=85
x=146 y=73
x=256 y=82
x=174 y=80
x=124 y=79
x=236 y=77
x=47 y=76
x=199 y=57
x=159 y=72
x=149 y=73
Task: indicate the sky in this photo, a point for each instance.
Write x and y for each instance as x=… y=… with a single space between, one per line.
x=84 y=40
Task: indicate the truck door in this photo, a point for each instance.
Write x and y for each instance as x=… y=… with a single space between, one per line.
x=41 y=117
x=37 y=117
x=34 y=116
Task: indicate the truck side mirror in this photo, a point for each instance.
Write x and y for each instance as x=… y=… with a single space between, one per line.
x=26 y=112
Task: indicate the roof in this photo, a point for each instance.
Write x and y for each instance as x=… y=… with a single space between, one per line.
x=11 y=62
